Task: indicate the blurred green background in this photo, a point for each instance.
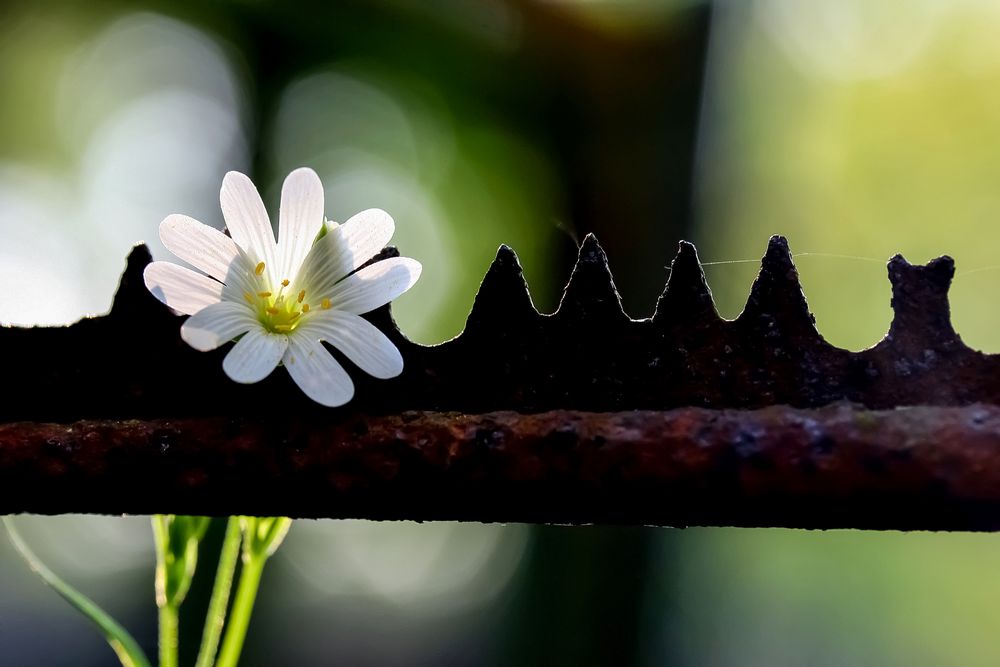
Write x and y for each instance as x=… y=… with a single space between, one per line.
x=854 y=128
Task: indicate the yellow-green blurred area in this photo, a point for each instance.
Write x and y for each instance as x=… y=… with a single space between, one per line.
x=856 y=129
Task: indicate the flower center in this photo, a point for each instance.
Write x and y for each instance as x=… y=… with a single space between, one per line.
x=280 y=312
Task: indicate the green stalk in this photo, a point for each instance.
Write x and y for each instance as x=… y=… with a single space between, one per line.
x=168 y=613
x=124 y=646
x=246 y=594
x=216 y=616
x=169 y=621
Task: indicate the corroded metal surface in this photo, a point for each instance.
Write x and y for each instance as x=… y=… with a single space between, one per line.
x=588 y=355
x=581 y=416
x=838 y=466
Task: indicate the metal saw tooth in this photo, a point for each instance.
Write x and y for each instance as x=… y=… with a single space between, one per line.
x=776 y=305
x=922 y=359
x=503 y=301
x=590 y=293
x=686 y=299
x=132 y=293
x=921 y=311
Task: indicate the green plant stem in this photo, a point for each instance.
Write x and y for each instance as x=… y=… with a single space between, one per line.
x=169 y=621
x=124 y=646
x=216 y=616
x=246 y=594
x=168 y=613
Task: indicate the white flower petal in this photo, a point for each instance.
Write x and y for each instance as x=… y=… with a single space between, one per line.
x=247 y=219
x=321 y=269
x=217 y=324
x=364 y=235
x=360 y=341
x=375 y=285
x=346 y=247
x=199 y=245
x=254 y=356
x=181 y=288
x=316 y=372
x=299 y=219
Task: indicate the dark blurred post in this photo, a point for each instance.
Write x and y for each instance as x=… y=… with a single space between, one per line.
x=621 y=122
x=621 y=116
x=581 y=597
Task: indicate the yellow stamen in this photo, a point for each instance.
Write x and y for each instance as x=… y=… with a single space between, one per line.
x=260 y=269
x=302 y=295
x=272 y=310
x=282 y=327
x=294 y=317
x=305 y=308
x=248 y=296
x=326 y=304
x=284 y=283
x=263 y=295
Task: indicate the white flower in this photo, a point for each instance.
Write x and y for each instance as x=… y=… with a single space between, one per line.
x=282 y=298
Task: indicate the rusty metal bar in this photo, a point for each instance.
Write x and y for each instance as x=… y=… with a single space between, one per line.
x=935 y=468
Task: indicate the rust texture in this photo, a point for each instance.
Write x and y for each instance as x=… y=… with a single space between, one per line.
x=585 y=415
x=838 y=466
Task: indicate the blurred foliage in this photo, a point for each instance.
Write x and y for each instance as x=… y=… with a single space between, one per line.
x=782 y=597
x=856 y=128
